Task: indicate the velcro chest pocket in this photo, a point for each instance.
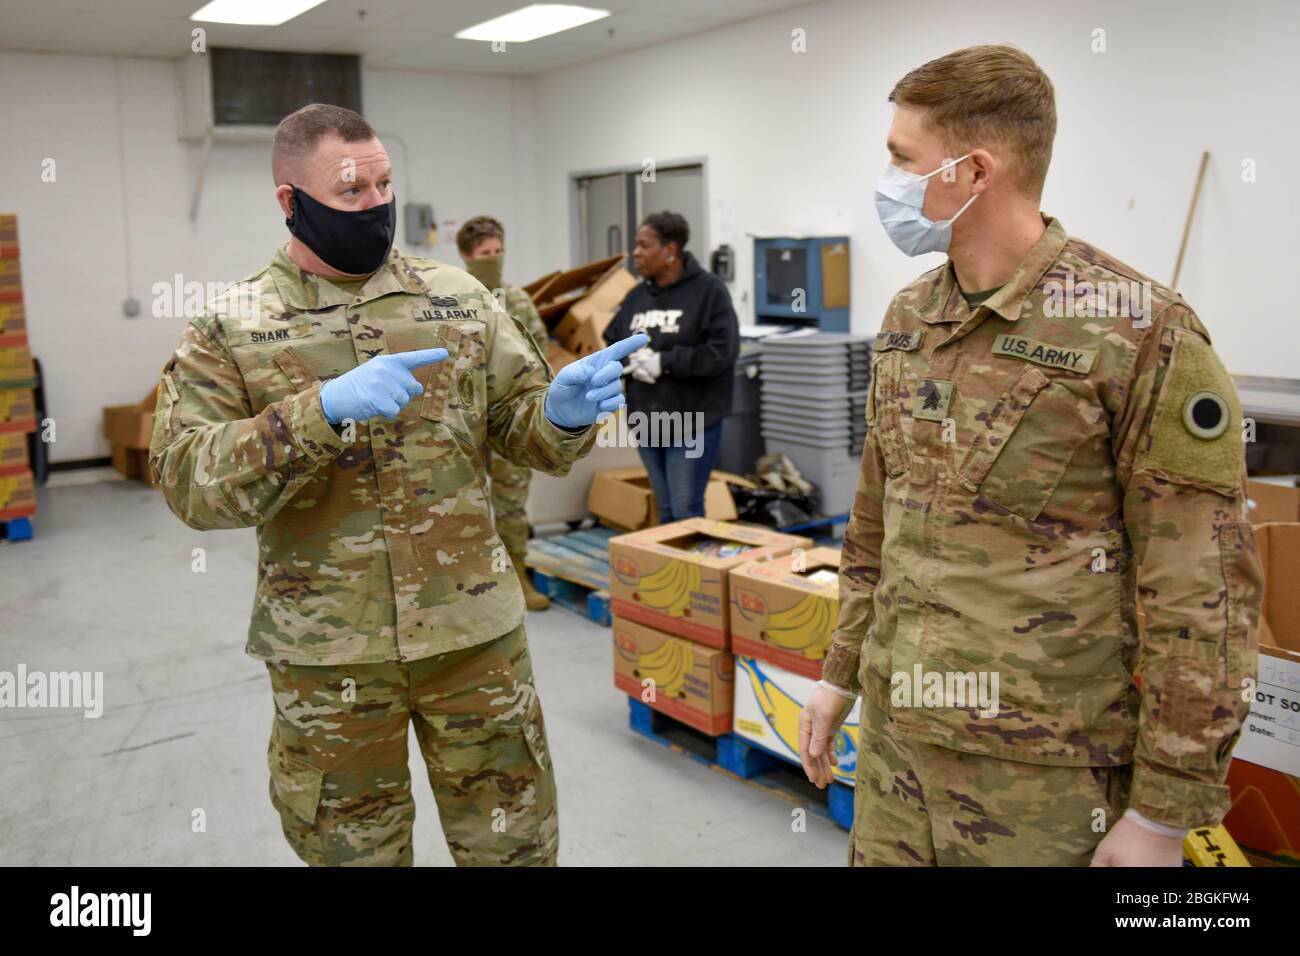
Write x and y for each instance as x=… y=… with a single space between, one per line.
x=285 y=373
x=1024 y=444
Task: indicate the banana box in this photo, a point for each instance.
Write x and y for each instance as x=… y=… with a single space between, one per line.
x=785 y=610
x=13 y=453
x=674 y=577
x=17 y=410
x=17 y=496
x=13 y=323
x=687 y=681
x=16 y=368
x=768 y=701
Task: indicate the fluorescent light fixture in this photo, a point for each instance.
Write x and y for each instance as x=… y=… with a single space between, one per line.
x=531 y=22
x=262 y=13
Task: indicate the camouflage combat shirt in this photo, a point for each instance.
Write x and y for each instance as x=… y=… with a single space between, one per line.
x=1036 y=467
x=377 y=545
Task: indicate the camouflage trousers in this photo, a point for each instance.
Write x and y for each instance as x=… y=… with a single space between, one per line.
x=923 y=805
x=509 y=503
x=339 y=761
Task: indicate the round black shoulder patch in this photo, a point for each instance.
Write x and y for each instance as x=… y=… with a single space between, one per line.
x=1205 y=414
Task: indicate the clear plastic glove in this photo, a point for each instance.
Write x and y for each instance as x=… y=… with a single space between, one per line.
x=647 y=367
x=591 y=386
x=379 y=387
x=819 y=722
x=1131 y=844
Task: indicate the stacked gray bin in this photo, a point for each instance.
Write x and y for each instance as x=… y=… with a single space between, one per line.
x=742 y=437
x=814 y=408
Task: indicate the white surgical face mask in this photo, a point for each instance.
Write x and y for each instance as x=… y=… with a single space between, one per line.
x=900 y=197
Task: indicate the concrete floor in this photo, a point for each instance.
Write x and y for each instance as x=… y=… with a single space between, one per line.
x=106 y=585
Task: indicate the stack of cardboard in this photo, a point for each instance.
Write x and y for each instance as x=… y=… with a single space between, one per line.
x=128 y=429
x=1264 y=776
x=577 y=305
x=17 y=383
x=669 y=595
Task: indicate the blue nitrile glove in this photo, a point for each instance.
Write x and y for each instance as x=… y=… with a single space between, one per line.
x=381 y=386
x=590 y=386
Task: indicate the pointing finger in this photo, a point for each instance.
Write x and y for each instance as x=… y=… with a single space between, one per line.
x=621 y=349
x=420 y=357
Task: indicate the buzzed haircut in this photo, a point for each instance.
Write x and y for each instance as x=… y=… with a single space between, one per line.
x=301 y=131
x=669 y=227
x=985 y=95
x=477 y=229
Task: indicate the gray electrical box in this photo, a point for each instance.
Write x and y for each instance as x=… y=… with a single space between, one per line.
x=419 y=220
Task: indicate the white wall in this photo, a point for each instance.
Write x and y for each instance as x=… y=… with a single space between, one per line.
x=451 y=139
x=795 y=141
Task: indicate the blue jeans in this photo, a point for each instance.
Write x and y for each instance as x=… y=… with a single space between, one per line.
x=678 y=482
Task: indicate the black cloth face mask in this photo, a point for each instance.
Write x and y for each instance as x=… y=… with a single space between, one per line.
x=353 y=242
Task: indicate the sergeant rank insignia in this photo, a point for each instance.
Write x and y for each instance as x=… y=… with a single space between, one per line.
x=931 y=401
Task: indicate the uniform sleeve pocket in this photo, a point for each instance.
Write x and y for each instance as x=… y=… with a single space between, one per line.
x=1190 y=697
x=1243 y=585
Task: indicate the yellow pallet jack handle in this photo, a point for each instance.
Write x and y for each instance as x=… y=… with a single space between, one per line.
x=1212 y=846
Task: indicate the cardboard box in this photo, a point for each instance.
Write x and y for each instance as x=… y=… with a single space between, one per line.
x=557 y=356
x=554 y=294
x=17 y=410
x=768 y=701
x=17 y=496
x=1264 y=776
x=657 y=579
x=133 y=463
x=13 y=324
x=784 y=610
x=1273 y=498
x=687 y=681
x=8 y=236
x=621 y=498
x=11 y=281
x=582 y=328
x=130 y=426
x=13 y=453
x=16 y=367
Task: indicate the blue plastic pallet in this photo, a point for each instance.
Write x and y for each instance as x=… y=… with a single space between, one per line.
x=738 y=758
x=592 y=604
x=573 y=571
x=16 y=529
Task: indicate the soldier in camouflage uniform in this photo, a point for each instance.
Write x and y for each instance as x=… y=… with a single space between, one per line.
x=1044 y=454
x=340 y=400
x=481 y=241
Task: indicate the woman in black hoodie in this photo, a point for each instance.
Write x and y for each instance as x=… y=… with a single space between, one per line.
x=681 y=383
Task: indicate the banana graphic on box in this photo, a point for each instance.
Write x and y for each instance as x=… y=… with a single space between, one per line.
x=669 y=589
x=807 y=623
x=781 y=711
x=667 y=665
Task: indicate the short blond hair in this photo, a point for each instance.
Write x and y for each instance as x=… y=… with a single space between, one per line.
x=988 y=95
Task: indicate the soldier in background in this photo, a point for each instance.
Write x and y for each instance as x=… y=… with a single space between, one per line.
x=340 y=401
x=481 y=241
x=1053 y=441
